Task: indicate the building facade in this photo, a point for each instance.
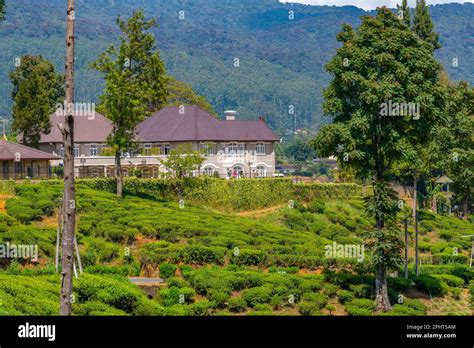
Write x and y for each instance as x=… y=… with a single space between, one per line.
x=235 y=148
x=21 y=162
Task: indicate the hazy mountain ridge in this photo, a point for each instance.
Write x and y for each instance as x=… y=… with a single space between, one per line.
x=281 y=61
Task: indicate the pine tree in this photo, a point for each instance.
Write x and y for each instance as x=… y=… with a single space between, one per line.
x=135 y=79
x=37 y=89
x=404 y=13
x=423 y=24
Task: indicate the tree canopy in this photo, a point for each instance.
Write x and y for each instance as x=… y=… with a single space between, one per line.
x=423 y=24
x=135 y=83
x=381 y=65
x=37 y=89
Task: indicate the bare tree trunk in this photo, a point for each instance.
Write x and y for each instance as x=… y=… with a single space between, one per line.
x=69 y=205
x=118 y=174
x=415 y=220
x=381 y=290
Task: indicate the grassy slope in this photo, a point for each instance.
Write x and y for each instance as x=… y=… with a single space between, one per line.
x=246 y=281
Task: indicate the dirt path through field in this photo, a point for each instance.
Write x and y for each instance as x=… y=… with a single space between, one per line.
x=261 y=212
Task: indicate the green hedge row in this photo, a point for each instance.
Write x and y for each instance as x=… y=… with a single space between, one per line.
x=310 y=192
x=230 y=195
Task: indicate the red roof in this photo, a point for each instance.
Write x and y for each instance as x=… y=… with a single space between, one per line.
x=195 y=124
x=11 y=151
x=87 y=129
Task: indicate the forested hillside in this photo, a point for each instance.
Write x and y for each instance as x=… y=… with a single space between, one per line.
x=247 y=55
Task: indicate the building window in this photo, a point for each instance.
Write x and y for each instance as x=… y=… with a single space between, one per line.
x=261 y=172
x=260 y=149
x=208 y=171
x=147 y=150
x=167 y=149
x=61 y=151
x=155 y=172
x=124 y=172
x=93 y=151
x=232 y=148
x=210 y=149
x=76 y=151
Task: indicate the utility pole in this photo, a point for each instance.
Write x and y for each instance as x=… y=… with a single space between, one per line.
x=415 y=219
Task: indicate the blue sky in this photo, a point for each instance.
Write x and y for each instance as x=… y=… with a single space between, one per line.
x=369 y=4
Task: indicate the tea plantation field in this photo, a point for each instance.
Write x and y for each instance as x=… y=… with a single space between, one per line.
x=218 y=263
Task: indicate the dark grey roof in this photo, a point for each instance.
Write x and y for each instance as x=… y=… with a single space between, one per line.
x=11 y=151
x=195 y=124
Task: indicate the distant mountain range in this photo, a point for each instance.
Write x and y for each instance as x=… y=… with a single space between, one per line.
x=248 y=55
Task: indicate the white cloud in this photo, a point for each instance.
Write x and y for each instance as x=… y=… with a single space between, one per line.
x=369 y=4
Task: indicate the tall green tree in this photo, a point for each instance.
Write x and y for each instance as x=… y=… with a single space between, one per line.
x=381 y=62
x=423 y=24
x=404 y=13
x=37 y=89
x=455 y=144
x=180 y=93
x=135 y=80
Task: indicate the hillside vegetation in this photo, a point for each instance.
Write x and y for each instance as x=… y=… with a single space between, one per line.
x=218 y=263
x=280 y=60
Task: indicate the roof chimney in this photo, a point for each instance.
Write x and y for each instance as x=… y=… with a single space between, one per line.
x=230 y=115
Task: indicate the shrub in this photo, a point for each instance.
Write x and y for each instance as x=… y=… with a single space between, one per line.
x=450 y=279
x=167 y=270
x=430 y=284
x=344 y=296
x=249 y=257
x=330 y=290
x=319 y=300
x=308 y=308
x=362 y=290
x=173 y=295
x=200 y=308
x=362 y=303
x=402 y=310
x=177 y=282
x=399 y=284
x=259 y=294
x=237 y=304
x=219 y=298
x=276 y=302
x=316 y=207
x=199 y=254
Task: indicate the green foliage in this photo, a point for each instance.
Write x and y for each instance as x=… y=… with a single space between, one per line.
x=360 y=307
x=450 y=279
x=167 y=270
x=430 y=285
x=183 y=160
x=344 y=296
x=237 y=304
x=173 y=296
x=37 y=91
x=423 y=25
x=256 y=295
x=182 y=94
